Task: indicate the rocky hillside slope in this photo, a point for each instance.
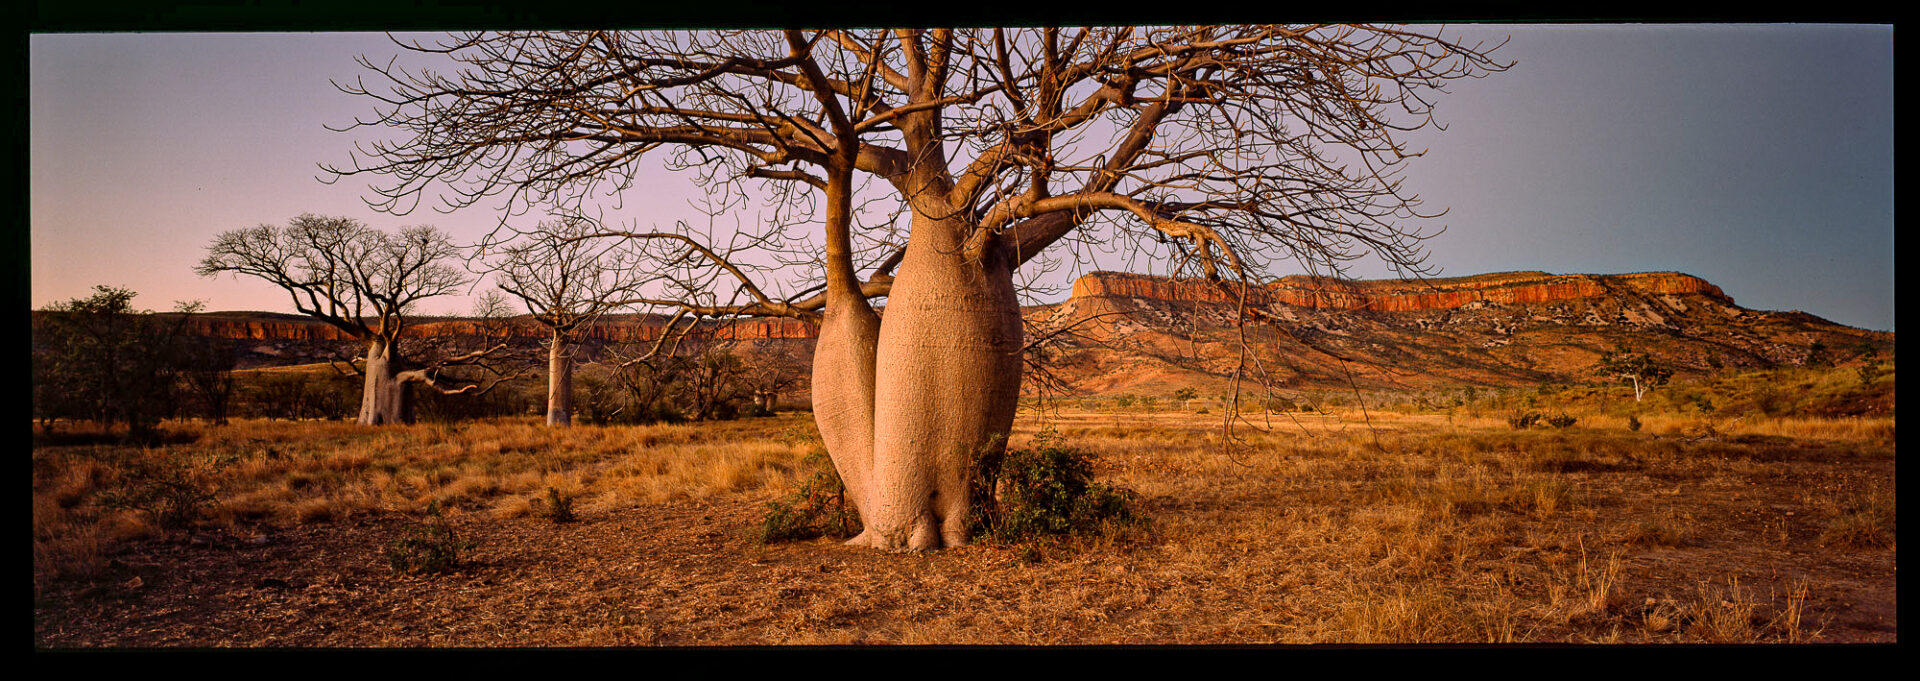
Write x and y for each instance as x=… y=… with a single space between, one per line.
x=1127 y=333
x=1148 y=335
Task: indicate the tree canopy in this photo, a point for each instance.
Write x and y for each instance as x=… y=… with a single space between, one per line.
x=1241 y=145
x=1235 y=146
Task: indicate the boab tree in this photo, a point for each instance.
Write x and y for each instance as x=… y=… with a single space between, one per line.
x=1238 y=146
x=566 y=284
x=364 y=282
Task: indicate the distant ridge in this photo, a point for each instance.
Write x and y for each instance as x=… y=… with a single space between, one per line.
x=1150 y=335
x=1316 y=293
x=1398 y=295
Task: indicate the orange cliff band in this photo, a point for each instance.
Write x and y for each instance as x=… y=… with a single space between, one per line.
x=1387 y=295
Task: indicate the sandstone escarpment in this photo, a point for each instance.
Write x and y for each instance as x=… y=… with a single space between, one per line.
x=1394 y=295
x=1134 y=333
x=629 y=329
x=1319 y=293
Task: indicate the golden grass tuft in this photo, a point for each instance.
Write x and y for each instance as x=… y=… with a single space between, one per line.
x=1403 y=613
x=1856 y=531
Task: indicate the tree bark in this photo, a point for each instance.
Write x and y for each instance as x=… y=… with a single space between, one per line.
x=386 y=399
x=843 y=382
x=843 y=359
x=947 y=383
x=559 y=383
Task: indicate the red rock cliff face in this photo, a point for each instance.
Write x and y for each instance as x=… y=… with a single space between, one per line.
x=1392 y=295
x=1387 y=295
x=612 y=330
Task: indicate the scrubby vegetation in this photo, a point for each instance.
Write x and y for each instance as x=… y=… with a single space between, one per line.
x=1411 y=521
x=100 y=359
x=1862 y=386
x=433 y=547
x=818 y=508
x=1045 y=490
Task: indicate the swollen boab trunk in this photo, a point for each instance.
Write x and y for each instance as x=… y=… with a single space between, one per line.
x=559 y=383
x=947 y=383
x=387 y=399
x=843 y=394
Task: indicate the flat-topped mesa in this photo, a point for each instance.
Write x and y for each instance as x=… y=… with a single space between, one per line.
x=612 y=330
x=1396 y=295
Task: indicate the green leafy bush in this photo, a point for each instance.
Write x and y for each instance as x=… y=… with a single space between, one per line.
x=1561 y=420
x=1044 y=490
x=818 y=509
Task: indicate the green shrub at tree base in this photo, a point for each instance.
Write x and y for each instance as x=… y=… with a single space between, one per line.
x=1041 y=491
x=818 y=509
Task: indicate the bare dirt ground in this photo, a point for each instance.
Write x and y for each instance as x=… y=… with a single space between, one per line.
x=1410 y=531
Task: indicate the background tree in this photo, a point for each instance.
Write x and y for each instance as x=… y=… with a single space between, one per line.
x=771 y=372
x=99 y=358
x=365 y=282
x=1638 y=367
x=1234 y=146
x=206 y=373
x=651 y=386
x=566 y=283
x=714 y=387
x=286 y=396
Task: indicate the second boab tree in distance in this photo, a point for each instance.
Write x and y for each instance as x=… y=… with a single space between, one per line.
x=1237 y=146
x=366 y=283
x=566 y=284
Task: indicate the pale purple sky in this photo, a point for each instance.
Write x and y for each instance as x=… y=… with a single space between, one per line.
x=1757 y=157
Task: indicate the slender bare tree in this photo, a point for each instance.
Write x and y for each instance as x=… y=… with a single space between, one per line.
x=1235 y=146
x=771 y=372
x=364 y=282
x=566 y=284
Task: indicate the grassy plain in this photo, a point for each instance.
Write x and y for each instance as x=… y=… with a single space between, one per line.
x=1333 y=526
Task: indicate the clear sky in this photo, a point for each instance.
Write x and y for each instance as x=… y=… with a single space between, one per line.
x=1757 y=157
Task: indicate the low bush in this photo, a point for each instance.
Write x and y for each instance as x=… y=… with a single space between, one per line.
x=559 y=506
x=818 y=509
x=1043 y=490
x=430 y=548
x=169 y=489
x=1523 y=420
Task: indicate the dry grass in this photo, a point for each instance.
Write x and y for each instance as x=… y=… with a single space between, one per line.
x=282 y=474
x=1321 y=528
